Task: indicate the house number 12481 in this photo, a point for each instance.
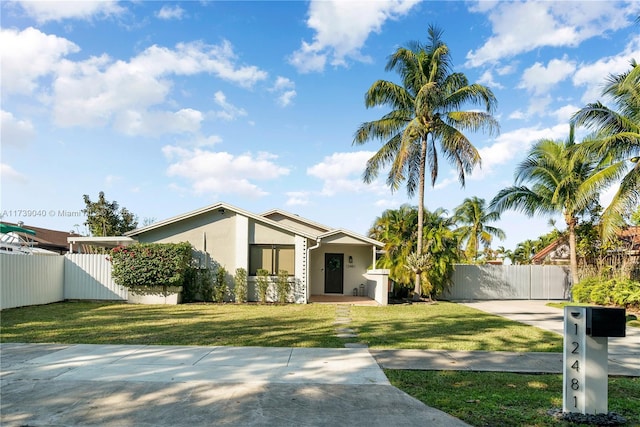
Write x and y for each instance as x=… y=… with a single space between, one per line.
x=573 y=359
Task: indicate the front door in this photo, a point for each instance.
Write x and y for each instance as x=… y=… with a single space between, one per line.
x=333 y=273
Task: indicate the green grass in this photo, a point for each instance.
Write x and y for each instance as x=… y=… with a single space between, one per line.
x=189 y=324
x=505 y=399
x=447 y=326
x=442 y=325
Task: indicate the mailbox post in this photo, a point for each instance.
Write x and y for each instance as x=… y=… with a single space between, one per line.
x=586 y=370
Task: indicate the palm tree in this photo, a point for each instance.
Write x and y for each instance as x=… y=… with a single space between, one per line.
x=523 y=252
x=425 y=119
x=564 y=180
x=472 y=213
x=397 y=228
x=617 y=142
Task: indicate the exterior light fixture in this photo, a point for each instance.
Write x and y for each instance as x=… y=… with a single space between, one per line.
x=350 y=259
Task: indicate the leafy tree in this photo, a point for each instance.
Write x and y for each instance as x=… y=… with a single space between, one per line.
x=397 y=228
x=564 y=180
x=426 y=120
x=474 y=217
x=617 y=142
x=106 y=218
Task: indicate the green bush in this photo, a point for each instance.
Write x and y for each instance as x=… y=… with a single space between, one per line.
x=198 y=285
x=240 y=285
x=144 y=265
x=220 y=289
x=283 y=287
x=262 y=282
x=620 y=292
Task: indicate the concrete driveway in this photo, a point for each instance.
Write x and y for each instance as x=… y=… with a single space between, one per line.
x=117 y=385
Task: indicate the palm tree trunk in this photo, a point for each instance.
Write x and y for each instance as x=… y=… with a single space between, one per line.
x=417 y=290
x=573 y=259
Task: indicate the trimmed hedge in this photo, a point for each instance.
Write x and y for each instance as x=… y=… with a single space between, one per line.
x=620 y=292
x=143 y=265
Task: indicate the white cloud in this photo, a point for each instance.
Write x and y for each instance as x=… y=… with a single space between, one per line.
x=593 y=75
x=512 y=145
x=342 y=173
x=540 y=79
x=156 y=123
x=298 y=198
x=517 y=115
x=100 y=91
x=487 y=79
x=14 y=131
x=43 y=11
x=168 y=12
x=341 y=30
x=563 y=114
x=218 y=172
x=10 y=174
x=28 y=55
x=520 y=27
x=285 y=88
x=229 y=111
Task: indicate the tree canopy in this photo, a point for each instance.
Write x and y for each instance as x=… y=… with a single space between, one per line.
x=105 y=218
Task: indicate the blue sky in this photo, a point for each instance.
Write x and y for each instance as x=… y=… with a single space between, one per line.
x=170 y=106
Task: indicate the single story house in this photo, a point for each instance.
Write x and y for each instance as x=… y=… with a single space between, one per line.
x=320 y=260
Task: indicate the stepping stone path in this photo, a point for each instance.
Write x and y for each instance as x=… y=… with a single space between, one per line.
x=343 y=319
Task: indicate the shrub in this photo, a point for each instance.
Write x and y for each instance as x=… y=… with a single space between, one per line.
x=262 y=283
x=240 y=285
x=620 y=292
x=220 y=289
x=198 y=285
x=283 y=286
x=144 y=265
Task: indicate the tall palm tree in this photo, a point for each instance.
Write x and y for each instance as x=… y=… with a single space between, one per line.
x=474 y=217
x=425 y=121
x=617 y=141
x=564 y=180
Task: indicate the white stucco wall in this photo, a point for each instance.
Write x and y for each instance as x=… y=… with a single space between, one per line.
x=353 y=272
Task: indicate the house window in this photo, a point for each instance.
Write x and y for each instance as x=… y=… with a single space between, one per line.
x=272 y=258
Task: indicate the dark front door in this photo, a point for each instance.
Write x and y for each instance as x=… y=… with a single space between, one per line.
x=333 y=273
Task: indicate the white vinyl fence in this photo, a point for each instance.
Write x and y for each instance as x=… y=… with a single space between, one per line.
x=30 y=280
x=502 y=282
x=89 y=277
x=36 y=279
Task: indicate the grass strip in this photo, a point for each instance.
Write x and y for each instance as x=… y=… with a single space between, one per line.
x=506 y=399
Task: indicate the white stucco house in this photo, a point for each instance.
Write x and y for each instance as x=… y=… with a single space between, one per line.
x=321 y=261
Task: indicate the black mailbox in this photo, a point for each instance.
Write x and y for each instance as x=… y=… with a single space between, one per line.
x=606 y=322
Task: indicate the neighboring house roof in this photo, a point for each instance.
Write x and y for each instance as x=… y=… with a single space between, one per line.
x=45 y=238
x=555 y=251
x=631 y=235
x=305 y=228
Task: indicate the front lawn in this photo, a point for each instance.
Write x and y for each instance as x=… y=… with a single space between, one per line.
x=447 y=326
x=506 y=399
x=442 y=325
x=187 y=324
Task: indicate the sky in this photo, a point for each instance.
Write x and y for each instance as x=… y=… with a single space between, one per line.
x=168 y=107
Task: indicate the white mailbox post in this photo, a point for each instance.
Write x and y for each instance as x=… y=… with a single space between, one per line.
x=586 y=370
